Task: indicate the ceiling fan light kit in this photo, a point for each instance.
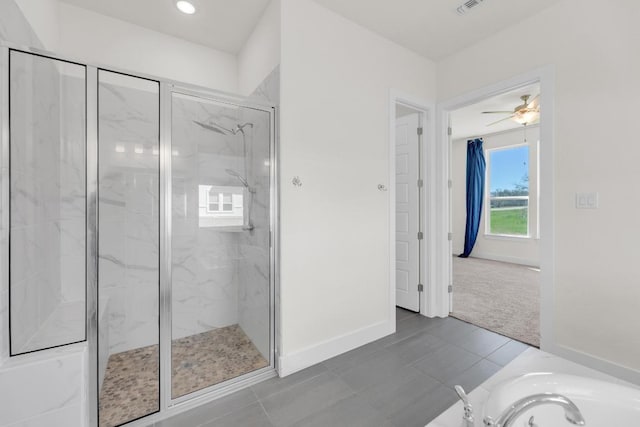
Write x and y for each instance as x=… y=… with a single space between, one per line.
x=524 y=114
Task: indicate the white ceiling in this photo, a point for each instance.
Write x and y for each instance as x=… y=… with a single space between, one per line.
x=469 y=121
x=219 y=24
x=432 y=28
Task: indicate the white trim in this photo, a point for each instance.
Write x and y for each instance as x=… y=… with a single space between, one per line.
x=509 y=237
x=546 y=77
x=493 y=134
x=314 y=354
x=510 y=260
x=627 y=374
x=426 y=108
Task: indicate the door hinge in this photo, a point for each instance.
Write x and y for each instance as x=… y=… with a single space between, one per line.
x=449 y=236
x=420 y=235
x=419 y=131
x=450 y=184
x=420 y=287
x=420 y=183
x=449 y=131
x=450 y=289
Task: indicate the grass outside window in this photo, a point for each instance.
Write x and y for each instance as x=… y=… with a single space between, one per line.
x=509 y=221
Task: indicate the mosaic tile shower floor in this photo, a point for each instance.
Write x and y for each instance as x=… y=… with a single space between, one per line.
x=130 y=386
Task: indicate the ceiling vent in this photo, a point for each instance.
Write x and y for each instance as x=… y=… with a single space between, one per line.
x=468 y=5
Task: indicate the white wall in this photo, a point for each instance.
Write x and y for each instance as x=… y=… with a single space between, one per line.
x=43 y=15
x=519 y=250
x=335 y=246
x=99 y=39
x=593 y=47
x=261 y=52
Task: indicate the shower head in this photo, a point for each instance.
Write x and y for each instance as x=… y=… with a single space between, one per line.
x=215 y=128
x=238 y=176
x=223 y=130
x=240 y=127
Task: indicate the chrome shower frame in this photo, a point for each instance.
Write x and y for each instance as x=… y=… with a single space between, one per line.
x=168 y=406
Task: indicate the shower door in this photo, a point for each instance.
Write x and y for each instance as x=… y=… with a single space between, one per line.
x=129 y=248
x=220 y=222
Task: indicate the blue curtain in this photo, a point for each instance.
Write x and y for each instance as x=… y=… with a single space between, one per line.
x=476 y=167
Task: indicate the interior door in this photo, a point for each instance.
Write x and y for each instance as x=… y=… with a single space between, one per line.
x=407 y=212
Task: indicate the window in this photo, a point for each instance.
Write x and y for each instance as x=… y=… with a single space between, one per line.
x=508 y=191
x=213 y=204
x=221 y=206
x=220 y=202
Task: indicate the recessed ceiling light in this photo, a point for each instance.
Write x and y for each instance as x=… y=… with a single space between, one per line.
x=186 y=7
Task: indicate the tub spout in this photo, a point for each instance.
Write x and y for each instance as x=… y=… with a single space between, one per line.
x=508 y=417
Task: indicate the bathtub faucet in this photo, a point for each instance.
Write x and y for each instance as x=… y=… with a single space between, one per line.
x=508 y=417
x=468 y=409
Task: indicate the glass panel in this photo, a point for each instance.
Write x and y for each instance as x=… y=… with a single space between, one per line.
x=509 y=192
x=220 y=243
x=47 y=202
x=129 y=230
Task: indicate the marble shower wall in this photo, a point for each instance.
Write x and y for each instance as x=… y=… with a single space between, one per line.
x=254 y=261
x=204 y=266
x=47 y=202
x=129 y=211
x=14 y=27
x=26 y=386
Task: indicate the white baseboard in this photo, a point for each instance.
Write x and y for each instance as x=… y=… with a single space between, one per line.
x=511 y=260
x=613 y=369
x=301 y=359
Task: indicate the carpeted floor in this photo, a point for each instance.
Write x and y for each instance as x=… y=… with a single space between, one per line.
x=501 y=297
x=130 y=386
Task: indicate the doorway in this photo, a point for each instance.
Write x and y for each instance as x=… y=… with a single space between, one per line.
x=494 y=241
x=408 y=202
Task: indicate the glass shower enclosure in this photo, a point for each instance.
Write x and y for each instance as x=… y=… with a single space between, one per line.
x=142 y=214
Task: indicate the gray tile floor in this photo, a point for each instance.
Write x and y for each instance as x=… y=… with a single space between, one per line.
x=403 y=380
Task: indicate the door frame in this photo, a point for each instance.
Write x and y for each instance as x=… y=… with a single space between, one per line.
x=427 y=248
x=441 y=161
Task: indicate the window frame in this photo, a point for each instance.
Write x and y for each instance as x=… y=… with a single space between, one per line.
x=487 y=195
x=219 y=201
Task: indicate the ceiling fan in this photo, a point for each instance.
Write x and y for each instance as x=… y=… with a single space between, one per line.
x=524 y=114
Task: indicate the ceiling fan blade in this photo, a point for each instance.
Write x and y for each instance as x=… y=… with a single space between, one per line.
x=497 y=112
x=535 y=102
x=501 y=120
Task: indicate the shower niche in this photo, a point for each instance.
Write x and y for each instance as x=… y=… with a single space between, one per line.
x=141 y=214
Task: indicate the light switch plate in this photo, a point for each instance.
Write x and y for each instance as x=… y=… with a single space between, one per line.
x=586 y=200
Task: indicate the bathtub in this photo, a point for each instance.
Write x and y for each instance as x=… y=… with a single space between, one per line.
x=602 y=404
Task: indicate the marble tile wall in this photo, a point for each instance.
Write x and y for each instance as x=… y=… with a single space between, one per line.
x=34 y=209
x=254 y=263
x=269 y=89
x=14 y=27
x=47 y=202
x=129 y=211
x=44 y=392
x=205 y=292
x=26 y=385
x=72 y=185
x=221 y=277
